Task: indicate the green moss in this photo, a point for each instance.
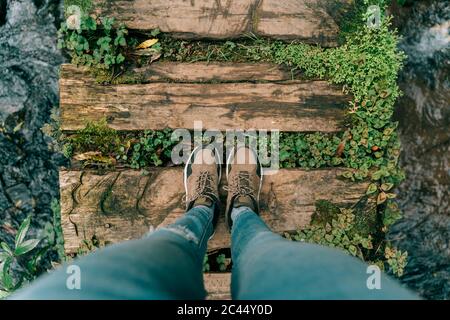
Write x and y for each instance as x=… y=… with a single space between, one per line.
x=127 y=77
x=98 y=144
x=325 y=213
x=96 y=136
x=367 y=221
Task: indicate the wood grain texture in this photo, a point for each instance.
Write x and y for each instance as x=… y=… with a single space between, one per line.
x=214 y=72
x=195 y=72
x=122 y=205
x=301 y=105
x=312 y=21
x=218 y=285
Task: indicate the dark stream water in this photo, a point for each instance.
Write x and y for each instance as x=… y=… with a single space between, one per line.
x=424 y=118
x=29 y=63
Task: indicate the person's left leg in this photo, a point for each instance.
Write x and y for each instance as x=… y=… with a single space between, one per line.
x=167 y=264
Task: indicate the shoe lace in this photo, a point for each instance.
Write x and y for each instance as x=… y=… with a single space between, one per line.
x=240 y=185
x=203 y=188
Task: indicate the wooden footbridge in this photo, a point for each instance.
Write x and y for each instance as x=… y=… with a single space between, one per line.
x=124 y=204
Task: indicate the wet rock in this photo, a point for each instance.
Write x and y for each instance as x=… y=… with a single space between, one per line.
x=15 y=174
x=2 y=12
x=29 y=67
x=4 y=202
x=20 y=196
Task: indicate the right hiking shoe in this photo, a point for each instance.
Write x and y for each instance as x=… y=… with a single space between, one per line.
x=244 y=176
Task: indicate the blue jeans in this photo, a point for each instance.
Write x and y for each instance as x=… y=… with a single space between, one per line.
x=167 y=264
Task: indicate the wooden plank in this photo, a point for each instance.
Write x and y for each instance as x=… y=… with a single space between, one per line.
x=217 y=72
x=122 y=205
x=302 y=105
x=218 y=285
x=312 y=21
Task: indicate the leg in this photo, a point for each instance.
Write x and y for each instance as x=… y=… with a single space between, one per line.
x=166 y=264
x=292 y=270
x=266 y=266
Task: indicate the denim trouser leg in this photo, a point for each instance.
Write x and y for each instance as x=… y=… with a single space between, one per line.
x=166 y=264
x=267 y=266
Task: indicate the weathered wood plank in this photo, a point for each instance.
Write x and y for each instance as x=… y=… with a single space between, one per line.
x=313 y=21
x=218 y=285
x=301 y=105
x=182 y=72
x=123 y=205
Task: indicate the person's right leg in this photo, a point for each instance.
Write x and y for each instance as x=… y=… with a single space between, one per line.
x=267 y=266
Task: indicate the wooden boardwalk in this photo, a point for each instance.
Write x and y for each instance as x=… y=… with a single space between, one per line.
x=311 y=21
x=124 y=204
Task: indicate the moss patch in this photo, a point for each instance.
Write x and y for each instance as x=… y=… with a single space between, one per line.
x=325 y=213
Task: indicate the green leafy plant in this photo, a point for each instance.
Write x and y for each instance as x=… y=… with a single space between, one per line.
x=93 y=42
x=223 y=262
x=53 y=231
x=84 y=5
x=344 y=229
x=396 y=260
x=89 y=245
x=340 y=232
x=152 y=148
x=18 y=264
x=206 y=267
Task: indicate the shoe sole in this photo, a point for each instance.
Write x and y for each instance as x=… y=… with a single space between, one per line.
x=216 y=155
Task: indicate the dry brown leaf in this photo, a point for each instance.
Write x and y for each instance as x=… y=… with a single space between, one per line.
x=340 y=148
x=147 y=44
x=86 y=155
x=155 y=57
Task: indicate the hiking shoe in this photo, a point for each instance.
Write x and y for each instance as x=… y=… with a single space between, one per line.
x=201 y=180
x=244 y=176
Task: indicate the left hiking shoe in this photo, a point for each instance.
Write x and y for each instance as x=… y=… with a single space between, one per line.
x=202 y=175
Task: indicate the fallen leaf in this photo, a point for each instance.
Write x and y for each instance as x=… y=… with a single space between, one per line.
x=340 y=148
x=147 y=44
x=86 y=155
x=155 y=57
